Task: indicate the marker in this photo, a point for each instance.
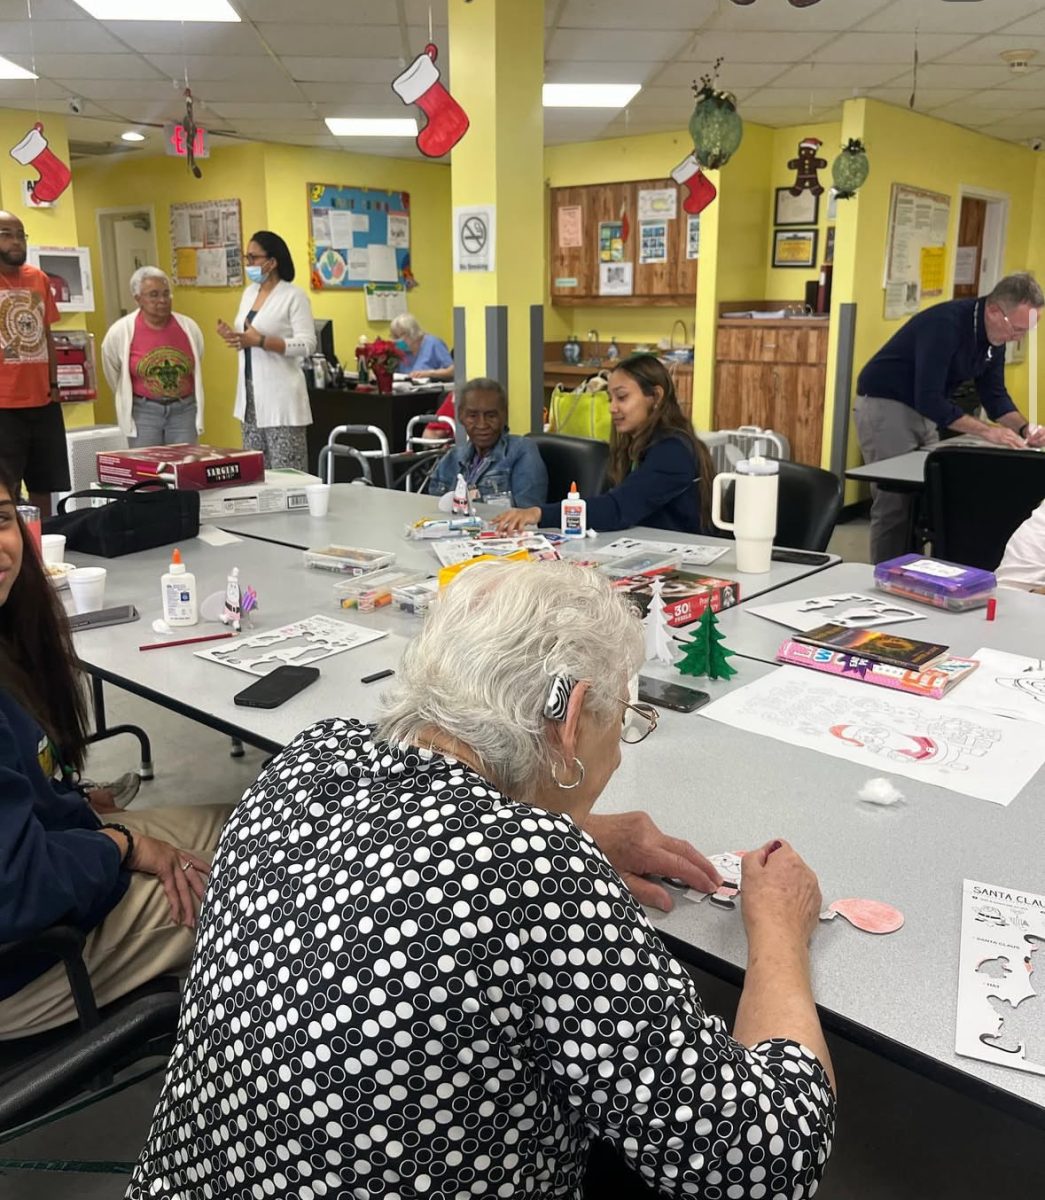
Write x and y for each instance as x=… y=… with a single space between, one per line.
x=210 y=637
x=377 y=675
x=992 y=608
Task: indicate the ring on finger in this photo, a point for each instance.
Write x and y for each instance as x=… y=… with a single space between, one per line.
x=185 y=865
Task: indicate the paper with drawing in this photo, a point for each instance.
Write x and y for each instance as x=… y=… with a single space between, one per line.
x=1001 y=977
x=690 y=554
x=299 y=645
x=937 y=741
x=853 y=610
x=1007 y=684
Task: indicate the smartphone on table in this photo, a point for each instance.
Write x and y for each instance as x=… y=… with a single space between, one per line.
x=675 y=696
x=278 y=686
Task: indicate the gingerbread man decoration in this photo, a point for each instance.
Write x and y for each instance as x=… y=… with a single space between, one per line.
x=806 y=166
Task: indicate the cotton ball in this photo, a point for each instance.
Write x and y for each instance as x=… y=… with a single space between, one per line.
x=880 y=791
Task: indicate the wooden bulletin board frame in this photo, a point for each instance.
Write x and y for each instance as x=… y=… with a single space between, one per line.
x=357 y=236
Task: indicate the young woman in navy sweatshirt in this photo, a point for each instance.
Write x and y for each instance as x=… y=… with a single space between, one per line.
x=659 y=472
x=134 y=886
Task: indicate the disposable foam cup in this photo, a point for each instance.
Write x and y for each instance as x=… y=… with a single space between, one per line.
x=318 y=499
x=87 y=587
x=52 y=546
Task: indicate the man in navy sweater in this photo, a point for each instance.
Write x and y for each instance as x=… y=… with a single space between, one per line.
x=903 y=393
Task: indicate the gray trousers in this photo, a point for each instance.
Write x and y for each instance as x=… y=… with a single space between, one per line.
x=886 y=428
x=160 y=424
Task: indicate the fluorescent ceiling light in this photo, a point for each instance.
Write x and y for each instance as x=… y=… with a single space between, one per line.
x=372 y=126
x=589 y=95
x=132 y=136
x=135 y=10
x=10 y=70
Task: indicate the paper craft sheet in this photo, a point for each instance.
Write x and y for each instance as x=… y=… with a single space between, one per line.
x=1001 y=977
x=300 y=644
x=1007 y=684
x=690 y=554
x=936 y=741
x=854 y=610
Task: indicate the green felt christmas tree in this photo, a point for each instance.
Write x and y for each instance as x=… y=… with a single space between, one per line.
x=704 y=654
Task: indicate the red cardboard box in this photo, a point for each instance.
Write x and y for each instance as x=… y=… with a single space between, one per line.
x=184 y=465
x=685 y=595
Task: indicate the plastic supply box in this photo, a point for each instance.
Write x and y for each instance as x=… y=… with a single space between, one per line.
x=933 y=581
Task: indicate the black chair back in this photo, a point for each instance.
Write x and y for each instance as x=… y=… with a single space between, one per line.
x=572 y=459
x=977 y=497
x=808 y=505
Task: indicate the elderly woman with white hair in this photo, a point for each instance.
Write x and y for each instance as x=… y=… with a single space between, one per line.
x=151 y=359
x=425 y=355
x=419 y=969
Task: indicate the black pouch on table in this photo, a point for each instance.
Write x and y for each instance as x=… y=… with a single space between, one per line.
x=141 y=517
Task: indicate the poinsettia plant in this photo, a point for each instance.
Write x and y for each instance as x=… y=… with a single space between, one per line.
x=379 y=355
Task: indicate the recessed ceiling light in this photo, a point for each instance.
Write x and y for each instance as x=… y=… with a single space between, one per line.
x=372 y=126
x=10 y=70
x=134 y=10
x=589 y=95
x=132 y=135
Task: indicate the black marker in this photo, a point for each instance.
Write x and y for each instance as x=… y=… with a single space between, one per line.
x=377 y=675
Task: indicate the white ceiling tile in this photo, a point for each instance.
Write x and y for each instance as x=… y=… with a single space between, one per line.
x=275 y=127
x=998 y=99
x=599 y=72
x=679 y=98
x=379 y=41
x=806 y=98
x=1032 y=25
x=30 y=89
x=206 y=66
x=1032 y=81
x=925 y=99
x=680 y=16
x=62 y=37
x=119 y=89
x=777 y=117
x=735 y=75
x=92 y=66
x=214 y=91
x=863 y=47
x=334 y=12
x=265 y=110
x=936 y=16
x=839 y=14
x=43 y=10
x=840 y=75
x=347 y=96
x=350 y=86
x=354 y=71
x=988 y=49
x=613 y=45
x=162 y=37
x=937 y=75
x=780 y=48
x=52 y=106
x=1021 y=129
x=326 y=70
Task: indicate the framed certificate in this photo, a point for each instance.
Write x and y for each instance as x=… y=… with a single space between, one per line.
x=802 y=209
x=795 y=248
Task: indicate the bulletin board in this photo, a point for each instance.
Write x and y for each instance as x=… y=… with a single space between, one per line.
x=357 y=236
x=207 y=244
x=915 y=250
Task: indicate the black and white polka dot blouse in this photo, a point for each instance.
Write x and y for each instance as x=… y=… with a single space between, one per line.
x=407 y=985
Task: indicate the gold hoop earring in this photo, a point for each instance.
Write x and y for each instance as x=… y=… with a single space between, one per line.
x=568 y=787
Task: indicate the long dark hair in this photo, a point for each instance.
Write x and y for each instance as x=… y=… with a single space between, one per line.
x=38 y=664
x=275 y=247
x=665 y=419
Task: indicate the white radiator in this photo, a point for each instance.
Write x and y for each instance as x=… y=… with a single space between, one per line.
x=83 y=444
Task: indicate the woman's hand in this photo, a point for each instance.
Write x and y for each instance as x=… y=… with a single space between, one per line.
x=636 y=848
x=780 y=896
x=514 y=520
x=182 y=873
x=248 y=339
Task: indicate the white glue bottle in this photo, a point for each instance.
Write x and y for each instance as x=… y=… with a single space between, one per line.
x=574 y=514
x=178 y=590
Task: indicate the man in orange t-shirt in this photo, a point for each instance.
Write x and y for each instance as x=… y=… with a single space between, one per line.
x=32 y=432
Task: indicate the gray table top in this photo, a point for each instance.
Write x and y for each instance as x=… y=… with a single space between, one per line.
x=907 y=470
x=376 y=517
x=1019 y=625
x=727 y=789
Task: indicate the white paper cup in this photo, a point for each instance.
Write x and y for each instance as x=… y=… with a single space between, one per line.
x=87 y=586
x=318 y=499
x=52 y=546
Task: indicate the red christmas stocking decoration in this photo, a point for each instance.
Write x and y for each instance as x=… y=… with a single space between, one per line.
x=447 y=121
x=700 y=191
x=33 y=151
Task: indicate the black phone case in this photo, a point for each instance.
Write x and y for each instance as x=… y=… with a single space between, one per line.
x=120 y=615
x=700 y=698
x=277 y=688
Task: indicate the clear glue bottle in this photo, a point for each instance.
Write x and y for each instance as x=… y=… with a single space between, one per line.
x=178 y=589
x=574 y=514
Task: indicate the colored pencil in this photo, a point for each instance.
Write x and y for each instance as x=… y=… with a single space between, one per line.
x=210 y=637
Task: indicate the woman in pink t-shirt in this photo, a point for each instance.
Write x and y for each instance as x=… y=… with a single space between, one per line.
x=151 y=359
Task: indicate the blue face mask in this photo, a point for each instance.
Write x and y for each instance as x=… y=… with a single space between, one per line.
x=255 y=274
x=401 y=345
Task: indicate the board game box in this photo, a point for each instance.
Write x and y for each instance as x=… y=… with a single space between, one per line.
x=685 y=594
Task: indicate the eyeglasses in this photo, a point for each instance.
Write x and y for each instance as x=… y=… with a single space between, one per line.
x=16 y=235
x=165 y=295
x=256 y=258
x=637 y=722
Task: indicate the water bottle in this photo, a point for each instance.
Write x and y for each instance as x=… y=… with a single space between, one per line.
x=756 y=483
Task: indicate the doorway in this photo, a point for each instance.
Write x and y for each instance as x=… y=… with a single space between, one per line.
x=981 y=242
x=127 y=238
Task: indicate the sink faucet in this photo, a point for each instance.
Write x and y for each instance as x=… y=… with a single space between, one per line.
x=593 y=340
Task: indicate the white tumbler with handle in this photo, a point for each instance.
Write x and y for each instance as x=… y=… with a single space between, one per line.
x=755 y=486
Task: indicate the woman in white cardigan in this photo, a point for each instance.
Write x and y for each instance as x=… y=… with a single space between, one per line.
x=274 y=331
x=151 y=359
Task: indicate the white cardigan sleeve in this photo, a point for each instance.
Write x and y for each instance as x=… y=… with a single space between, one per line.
x=302 y=340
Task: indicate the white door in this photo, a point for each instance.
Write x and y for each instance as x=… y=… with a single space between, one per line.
x=128 y=242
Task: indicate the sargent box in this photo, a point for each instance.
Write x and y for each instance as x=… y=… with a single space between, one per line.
x=184 y=465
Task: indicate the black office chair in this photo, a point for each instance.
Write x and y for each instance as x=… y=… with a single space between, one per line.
x=572 y=459
x=976 y=497
x=42 y=1076
x=808 y=503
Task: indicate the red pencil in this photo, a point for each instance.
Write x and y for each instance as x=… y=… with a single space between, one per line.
x=210 y=637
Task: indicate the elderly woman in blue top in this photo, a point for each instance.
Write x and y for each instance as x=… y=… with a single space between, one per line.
x=427 y=356
x=660 y=472
x=492 y=461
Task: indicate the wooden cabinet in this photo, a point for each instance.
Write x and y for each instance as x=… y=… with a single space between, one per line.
x=773 y=374
x=575 y=269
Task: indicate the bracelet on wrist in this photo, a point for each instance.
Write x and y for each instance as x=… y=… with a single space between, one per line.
x=1024 y=428
x=126 y=860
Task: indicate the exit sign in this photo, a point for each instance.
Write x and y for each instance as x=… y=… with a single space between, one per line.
x=176 y=144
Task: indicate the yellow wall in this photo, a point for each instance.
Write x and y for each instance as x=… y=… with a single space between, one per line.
x=269 y=181
x=55 y=226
